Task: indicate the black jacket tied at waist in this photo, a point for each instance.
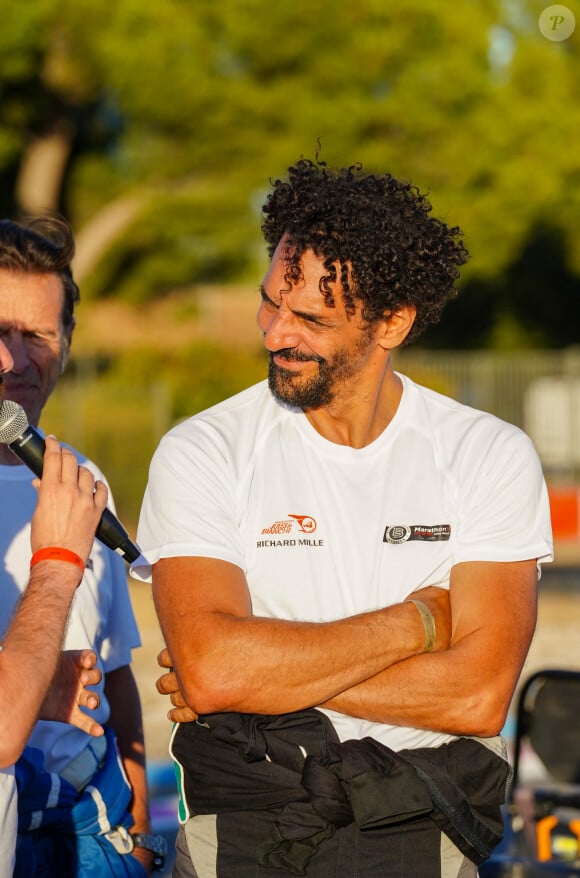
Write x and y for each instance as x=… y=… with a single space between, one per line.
x=295 y=762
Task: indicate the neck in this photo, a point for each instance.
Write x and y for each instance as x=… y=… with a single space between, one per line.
x=360 y=414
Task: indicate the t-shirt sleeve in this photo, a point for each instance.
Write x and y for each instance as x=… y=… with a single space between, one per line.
x=504 y=512
x=189 y=507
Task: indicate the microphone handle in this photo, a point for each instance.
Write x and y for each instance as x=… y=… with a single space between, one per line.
x=30 y=448
x=112 y=533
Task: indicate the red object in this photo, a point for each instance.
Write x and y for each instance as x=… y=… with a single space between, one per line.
x=565 y=513
x=54 y=553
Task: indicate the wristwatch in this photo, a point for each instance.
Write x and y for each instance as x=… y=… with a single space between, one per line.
x=154 y=843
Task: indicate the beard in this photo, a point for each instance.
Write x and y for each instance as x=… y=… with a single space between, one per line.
x=314 y=392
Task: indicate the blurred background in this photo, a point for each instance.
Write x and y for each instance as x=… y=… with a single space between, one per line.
x=155 y=128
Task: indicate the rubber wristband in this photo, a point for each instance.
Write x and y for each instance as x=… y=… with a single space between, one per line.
x=428 y=625
x=54 y=553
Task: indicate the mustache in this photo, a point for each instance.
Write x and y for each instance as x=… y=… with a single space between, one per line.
x=296 y=356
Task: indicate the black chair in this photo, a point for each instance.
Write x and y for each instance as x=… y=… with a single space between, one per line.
x=542 y=814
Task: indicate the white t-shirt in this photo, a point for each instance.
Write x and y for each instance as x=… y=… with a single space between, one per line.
x=324 y=531
x=8 y=821
x=101 y=616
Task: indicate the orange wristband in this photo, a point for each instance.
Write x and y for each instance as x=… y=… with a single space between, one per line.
x=54 y=553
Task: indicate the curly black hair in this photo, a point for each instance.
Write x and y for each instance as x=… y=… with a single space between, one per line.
x=391 y=252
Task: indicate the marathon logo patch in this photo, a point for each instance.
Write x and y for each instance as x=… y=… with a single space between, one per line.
x=404 y=533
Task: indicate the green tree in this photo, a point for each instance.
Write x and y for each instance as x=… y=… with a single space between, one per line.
x=155 y=127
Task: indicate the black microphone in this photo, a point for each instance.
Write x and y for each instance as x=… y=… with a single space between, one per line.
x=29 y=446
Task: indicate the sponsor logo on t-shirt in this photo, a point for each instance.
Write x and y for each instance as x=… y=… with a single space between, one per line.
x=292 y=527
x=403 y=533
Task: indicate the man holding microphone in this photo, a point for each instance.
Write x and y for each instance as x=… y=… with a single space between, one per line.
x=70 y=504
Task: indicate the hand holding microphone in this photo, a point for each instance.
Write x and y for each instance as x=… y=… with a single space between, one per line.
x=28 y=445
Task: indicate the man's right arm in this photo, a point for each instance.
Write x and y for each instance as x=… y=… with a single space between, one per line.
x=67 y=514
x=226 y=659
x=30 y=653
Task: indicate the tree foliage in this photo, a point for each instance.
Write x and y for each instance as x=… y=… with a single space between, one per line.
x=155 y=127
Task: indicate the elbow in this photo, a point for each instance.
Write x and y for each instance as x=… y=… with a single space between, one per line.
x=13 y=737
x=7 y=758
x=14 y=729
x=211 y=692
x=481 y=716
x=481 y=727
x=201 y=702
x=10 y=748
x=493 y=722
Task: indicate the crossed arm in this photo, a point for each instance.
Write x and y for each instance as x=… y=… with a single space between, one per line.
x=368 y=666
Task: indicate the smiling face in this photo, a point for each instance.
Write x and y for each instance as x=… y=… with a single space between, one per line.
x=318 y=353
x=31 y=329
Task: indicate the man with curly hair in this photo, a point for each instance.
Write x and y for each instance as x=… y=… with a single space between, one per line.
x=344 y=565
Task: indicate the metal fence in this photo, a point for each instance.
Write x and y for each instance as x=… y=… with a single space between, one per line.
x=537 y=390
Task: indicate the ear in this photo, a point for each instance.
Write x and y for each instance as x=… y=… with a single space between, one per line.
x=397 y=326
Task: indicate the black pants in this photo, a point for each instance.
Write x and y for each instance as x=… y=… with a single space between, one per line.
x=226 y=847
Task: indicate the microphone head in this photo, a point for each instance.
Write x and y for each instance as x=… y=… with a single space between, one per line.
x=13 y=421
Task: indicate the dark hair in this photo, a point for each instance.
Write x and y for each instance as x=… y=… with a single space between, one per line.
x=41 y=245
x=390 y=250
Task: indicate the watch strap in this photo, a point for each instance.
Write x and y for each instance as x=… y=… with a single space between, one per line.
x=154 y=843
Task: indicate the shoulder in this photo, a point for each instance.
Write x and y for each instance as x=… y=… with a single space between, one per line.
x=231 y=426
x=460 y=429
x=242 y=405
x=446 y=414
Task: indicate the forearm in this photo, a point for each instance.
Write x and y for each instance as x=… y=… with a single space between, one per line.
x=271 y=666
x=467 y=689
x=126 y=721
x=433 y=692
x=227 y=659
x=25 y=682
x=417 y=692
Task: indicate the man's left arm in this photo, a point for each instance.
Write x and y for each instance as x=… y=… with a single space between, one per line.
x=467 y=689
x=126 y=721
x=502 y=528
